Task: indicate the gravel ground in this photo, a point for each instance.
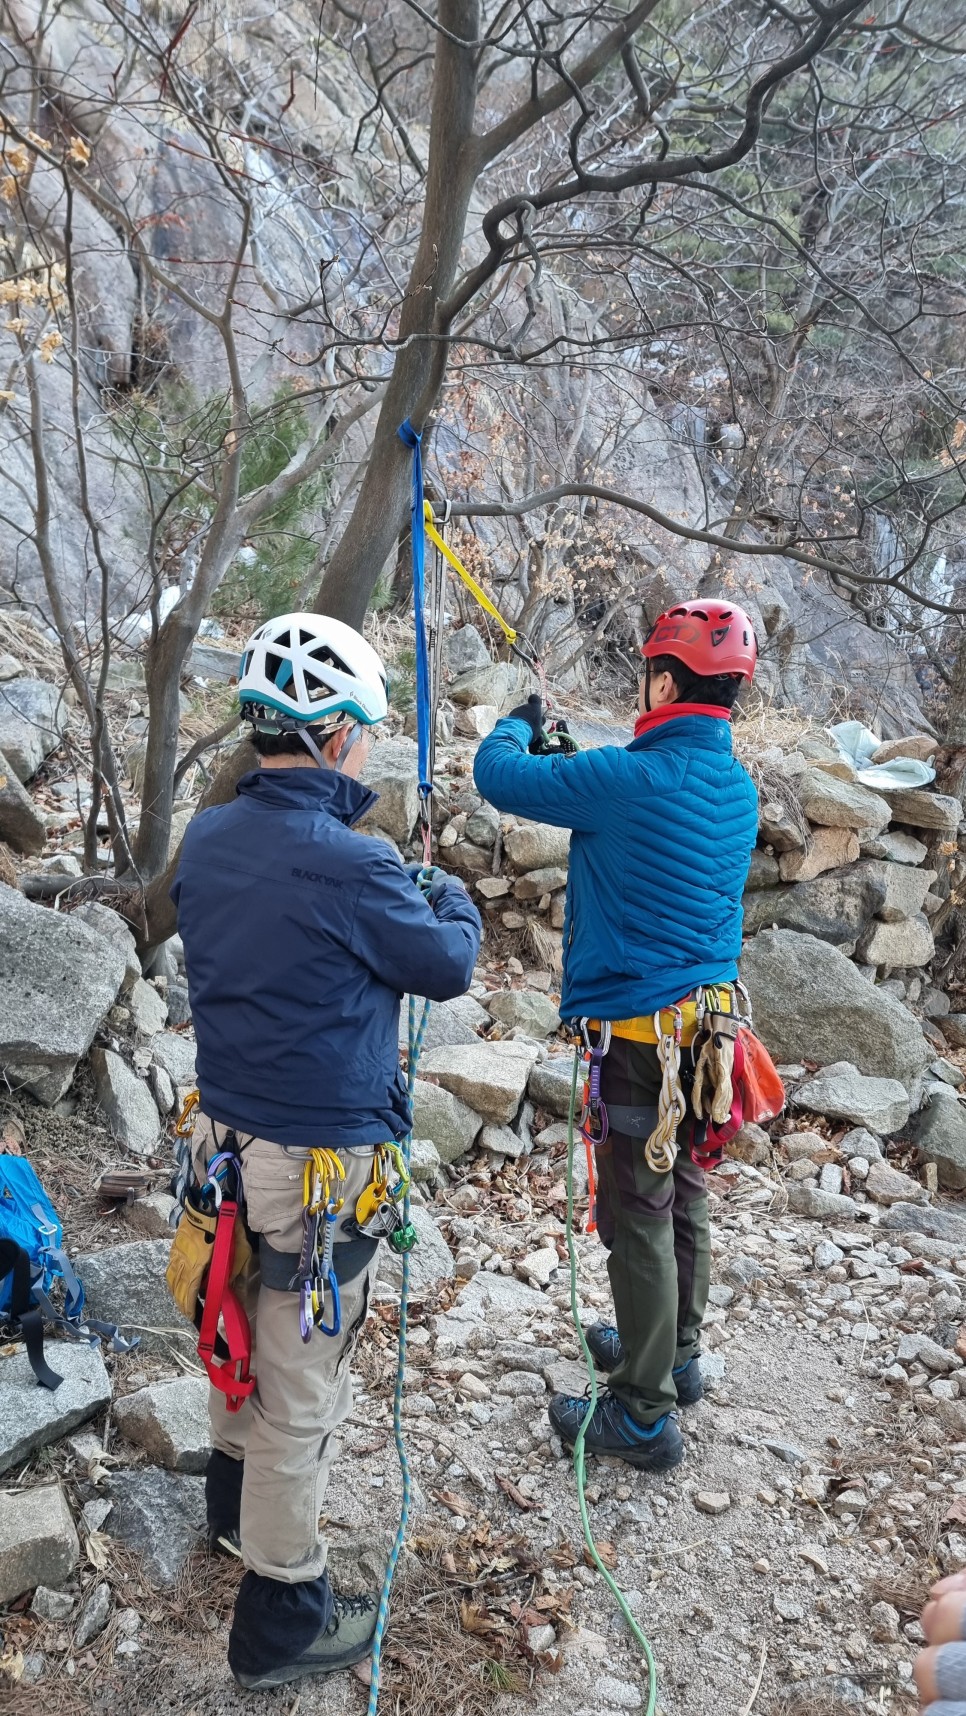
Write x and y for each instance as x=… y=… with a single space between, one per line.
x=779 y=1569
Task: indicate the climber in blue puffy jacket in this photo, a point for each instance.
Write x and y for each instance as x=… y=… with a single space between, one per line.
x=663 y=831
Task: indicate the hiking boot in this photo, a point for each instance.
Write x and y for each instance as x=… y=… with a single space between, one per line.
x=605 y=1345
x=689 y=1382
x=606 y=1351
x=346 y=1639
x=614 y=1434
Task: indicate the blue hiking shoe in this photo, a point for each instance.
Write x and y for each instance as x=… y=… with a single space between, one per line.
x=615 y=1435
x=606 y=1351
x=605 y=1345
x=689 y=1383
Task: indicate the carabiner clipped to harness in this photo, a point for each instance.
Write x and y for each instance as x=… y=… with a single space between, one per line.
x=594 y=1125
x=322 y=1199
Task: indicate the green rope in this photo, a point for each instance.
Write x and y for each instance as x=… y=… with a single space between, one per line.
x=578 y=1450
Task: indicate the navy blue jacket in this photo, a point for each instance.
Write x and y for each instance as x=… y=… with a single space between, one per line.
x=663 y=832
x=299 y=939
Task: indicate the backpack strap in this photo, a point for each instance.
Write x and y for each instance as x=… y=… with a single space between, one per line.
x=14 y=1261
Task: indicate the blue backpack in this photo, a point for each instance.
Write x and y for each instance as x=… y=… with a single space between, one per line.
x=32 y=1258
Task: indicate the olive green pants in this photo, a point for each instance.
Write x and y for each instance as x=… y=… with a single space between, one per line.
x=656 y=1229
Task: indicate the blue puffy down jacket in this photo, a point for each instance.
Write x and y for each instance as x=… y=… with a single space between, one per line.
x=300 y=937
x=662 y=837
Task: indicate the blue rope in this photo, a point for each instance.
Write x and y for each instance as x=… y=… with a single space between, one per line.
x=424 y=698
x=416 y=1036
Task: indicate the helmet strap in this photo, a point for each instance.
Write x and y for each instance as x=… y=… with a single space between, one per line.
x=647 y=684
x=354 y=734
x=310 y=745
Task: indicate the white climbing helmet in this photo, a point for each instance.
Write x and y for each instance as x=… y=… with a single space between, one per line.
x=311 y=668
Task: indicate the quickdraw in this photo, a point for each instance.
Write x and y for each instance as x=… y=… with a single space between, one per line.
x=594 y=1124
x=322 y=1199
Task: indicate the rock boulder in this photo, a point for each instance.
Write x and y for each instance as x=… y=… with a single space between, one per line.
x=525 y=1010
x=125 y=1285
x=33 y=716
x=834 y=803
x=442 y=1118
x=391 y=771
x=925 y=809
x=127 y=1102
x=38 y=1541
x=828 y=849
x=810 y=1002
x=537 y=846
x=490 y=1077
x=161 y=1516
x=32 y=1417
x=841 y=1092
x=21 y=825
x=57 y=981
x=169 y=1420
x=940 y=1132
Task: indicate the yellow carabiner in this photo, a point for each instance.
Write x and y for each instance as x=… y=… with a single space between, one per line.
x=184 y=1125
x=321 y=1168
x=375 y=1192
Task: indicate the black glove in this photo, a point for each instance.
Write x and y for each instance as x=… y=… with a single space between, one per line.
x=431 y=880
x=532 y=713
x=439 y=884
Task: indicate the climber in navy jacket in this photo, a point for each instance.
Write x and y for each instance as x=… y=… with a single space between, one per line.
x=300 y=937
x=662 y=837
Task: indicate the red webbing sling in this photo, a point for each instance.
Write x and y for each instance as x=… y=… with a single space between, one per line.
x=226 y=1357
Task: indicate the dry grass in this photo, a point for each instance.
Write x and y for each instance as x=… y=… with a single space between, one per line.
x=432 y=1667
x=546 y=946
x=18 y=637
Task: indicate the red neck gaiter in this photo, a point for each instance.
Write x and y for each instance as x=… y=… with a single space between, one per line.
x=668 y=711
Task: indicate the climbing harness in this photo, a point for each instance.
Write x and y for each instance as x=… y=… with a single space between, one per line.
x=322 y=1179
x=578 y=1448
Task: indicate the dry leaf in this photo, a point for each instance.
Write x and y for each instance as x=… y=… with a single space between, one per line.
x=516 y=1496
x=12 y=1137
x=474 y=1620
x=607 y=1553
x=98 y=1545
x=956 y=1512
x=456 y=1504
x=11 y=1664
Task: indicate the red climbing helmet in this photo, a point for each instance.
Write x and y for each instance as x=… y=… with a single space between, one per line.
x=710 y=638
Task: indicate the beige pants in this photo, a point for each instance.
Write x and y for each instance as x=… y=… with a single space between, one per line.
x=285 y=1430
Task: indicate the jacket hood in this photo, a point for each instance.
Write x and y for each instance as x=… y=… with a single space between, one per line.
x=309 y=789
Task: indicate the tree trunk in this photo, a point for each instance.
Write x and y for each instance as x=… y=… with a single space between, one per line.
x=956 y=706
x=159 y=912
x=165 y=660
x=380 y=510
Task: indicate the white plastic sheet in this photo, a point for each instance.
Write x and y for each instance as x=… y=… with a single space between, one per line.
x=857 y=744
